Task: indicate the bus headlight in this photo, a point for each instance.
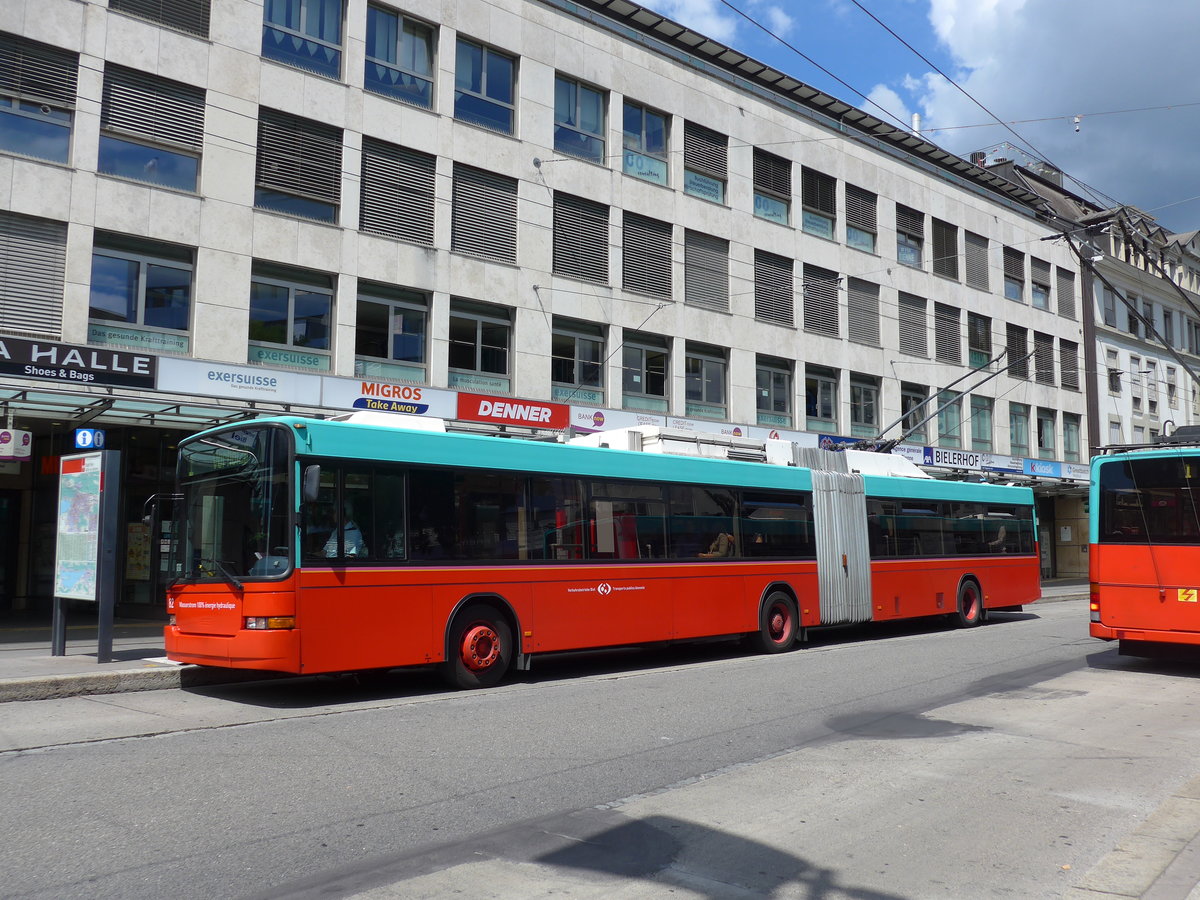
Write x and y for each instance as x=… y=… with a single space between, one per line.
x=266 y=623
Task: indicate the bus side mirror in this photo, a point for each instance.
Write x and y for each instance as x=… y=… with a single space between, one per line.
x=312 y=482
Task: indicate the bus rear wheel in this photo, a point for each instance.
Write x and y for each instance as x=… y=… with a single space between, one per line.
x=970 y=605
x=777 y=624
x=480 y=648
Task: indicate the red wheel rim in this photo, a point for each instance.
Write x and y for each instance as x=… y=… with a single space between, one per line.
x=480 y=647
x=970 y=602
x=779 y=623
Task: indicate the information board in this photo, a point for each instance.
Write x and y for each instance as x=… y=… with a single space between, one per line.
x=76 y=556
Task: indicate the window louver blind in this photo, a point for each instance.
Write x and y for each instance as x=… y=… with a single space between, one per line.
x=977 y=260
x=299 y=156
x=705 y=150
x=910 y=221
x=1043 y=357
x=1039 y=271
x=397 y=191
x=1066 y=294
x=945 y=249
x=862 y=312
x=186 y=15
x=860 y=208
x=772 y=173
x=947 y=333
x=820 y=301
x=774 y=288
x=914 y=334
x=580 y=238
x=706 y=271
x=154 y=108
x=38 y=72
x=1068 y=363
x=1014 y=264
x=484 y=218
x=1018 y=365
x=646 y=256
x=819 y=191
x=32 y=274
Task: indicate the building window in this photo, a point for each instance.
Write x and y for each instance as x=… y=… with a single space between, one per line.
x=981 y=423
x=864 y=406
x=1172 y=389
x=646 y=255
x=186 y=15
x=1043 y=358
x=1071 y=435
x=1168 y=327
x=304 y=33
x=299 y=166
x=580 y=241
x=1039 y=283
x=979 y=340
x=152 y=129
x=644 y=361
x=820 y=300
x=1068 y=364
x=947 y=333
x=33 y=256
x=1014 y=275
x=945 y=249
x=861 y=225
x=578 y=119
x=772 y=187
x=141 y=294
x=1114 y=371
x=976 y=260
x=818 y=193
x=914 y=330
x=645 y=143
x=1110 y=308
x=820 y=398
x=1114 y=432
x=862 y=312
x=1066 y=293
x=37 y=98
x=483 y=218
x=704 y=370
x=396 y=193
x=1018 y=429
x=1046 y=423
x=705 y=271
x=705 y=162
x=576 y=362
x=773 y=392
x=774 y=288
x=391 y=334
x=1134 y=317
x=913 y=411
x=484 y=87
x=910 y=236
x=949 y=419
x=291 y=313
x=399 y=57
x=480 y=337
x=1018 y=351
x=1152 y=388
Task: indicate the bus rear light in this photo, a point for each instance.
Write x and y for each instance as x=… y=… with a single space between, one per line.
x=265 y=623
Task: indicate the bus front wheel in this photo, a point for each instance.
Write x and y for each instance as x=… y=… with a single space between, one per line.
x=970 y=605
x=480 y=648
x=777 y=623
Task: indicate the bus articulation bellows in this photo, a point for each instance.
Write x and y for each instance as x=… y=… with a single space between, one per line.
x=312 y=545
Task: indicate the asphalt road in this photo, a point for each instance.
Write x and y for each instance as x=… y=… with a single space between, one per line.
x=912 y=761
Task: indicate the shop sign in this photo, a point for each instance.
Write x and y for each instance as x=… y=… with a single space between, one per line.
x=507 y=411
x=75 y=365
x=951 y=459
x=15 y=445
x=387 y=396
x=1076 y=471
x=187 y=376
x=158 y=341
x=589 y=419
x=1043 y=467
x=995 y=463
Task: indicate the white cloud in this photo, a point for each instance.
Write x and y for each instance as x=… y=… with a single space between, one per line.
x=709 y=17
x=1032 y=59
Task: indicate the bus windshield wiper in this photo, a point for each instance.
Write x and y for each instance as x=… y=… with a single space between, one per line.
x=219 y=567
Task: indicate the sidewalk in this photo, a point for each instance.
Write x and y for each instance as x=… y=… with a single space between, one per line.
x=29 y=672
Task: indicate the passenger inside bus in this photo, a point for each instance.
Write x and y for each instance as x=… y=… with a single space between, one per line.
x=722 y=545
x=352 y=537
x=997 y=545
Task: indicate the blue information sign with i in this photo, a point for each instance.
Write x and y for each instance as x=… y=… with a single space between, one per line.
x=89 y=439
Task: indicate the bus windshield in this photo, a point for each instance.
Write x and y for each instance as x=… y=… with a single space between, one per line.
x=237 y=506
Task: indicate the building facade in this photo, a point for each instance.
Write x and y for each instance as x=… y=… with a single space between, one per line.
x=211 y=209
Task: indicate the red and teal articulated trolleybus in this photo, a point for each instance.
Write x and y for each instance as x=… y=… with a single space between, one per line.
x=311 y=545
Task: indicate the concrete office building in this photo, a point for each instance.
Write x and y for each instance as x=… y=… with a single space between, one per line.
x=211 y=209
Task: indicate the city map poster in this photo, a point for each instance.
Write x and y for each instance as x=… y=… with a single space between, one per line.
x=77 y=549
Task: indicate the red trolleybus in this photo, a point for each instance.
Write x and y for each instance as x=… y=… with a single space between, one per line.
x=323 y=546
x=1144 y=525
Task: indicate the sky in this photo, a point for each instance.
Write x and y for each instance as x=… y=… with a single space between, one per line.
x=1128 y=70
